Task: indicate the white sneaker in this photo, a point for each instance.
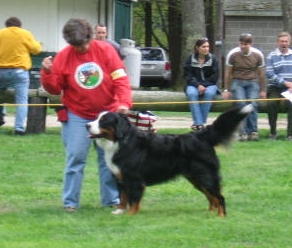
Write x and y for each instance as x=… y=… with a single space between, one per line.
x=118 y=211
x=243 y=137
x=254 y=136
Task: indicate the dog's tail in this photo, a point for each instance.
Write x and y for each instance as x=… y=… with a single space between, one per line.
x=224 y=127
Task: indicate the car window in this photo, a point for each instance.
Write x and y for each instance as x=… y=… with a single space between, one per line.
x=152 y=54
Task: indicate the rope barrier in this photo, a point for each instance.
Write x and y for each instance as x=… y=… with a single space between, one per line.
x=152 y=103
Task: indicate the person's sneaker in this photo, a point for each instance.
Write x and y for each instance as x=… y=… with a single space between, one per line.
x=119 y=211
x=242 y=137
x=69 y=209
x=197 y=127
x=254 y=136
x=20 y=133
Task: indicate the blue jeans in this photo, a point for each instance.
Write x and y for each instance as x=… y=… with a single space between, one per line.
x=19 y=80
x=247 y=89
x=200 y=111
x=77 y=144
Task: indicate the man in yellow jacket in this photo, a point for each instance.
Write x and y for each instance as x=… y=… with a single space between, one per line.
x=16 y=45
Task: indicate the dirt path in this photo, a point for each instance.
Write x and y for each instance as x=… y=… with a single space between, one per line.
x=162 y=122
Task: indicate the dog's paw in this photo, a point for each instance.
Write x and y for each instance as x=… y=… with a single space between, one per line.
x=118 y=211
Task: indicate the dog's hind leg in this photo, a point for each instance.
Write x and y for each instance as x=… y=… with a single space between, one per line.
x=212 y=207
x=219 y=202
x=213 y=195
x=216 y=201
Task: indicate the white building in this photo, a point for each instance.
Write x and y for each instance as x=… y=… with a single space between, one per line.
x=46 y=18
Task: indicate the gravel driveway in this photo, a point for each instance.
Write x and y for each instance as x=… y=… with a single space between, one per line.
x=162 y=122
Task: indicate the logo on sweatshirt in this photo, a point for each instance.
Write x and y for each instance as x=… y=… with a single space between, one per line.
x=89 y=75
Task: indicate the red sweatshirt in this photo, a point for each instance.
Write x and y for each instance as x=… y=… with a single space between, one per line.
x=89 y=82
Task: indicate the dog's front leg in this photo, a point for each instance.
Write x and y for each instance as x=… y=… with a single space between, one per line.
x=122 y=207
x=134 y=208
x=124 y=200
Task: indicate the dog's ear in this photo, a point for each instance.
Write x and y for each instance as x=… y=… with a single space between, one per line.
x=123 y=125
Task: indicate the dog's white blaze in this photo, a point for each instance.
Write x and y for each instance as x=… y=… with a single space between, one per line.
x=110 y=149
x=108 y=146
x=94 y=125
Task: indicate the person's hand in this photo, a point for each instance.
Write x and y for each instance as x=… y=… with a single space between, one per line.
x=123 y=110
x=289 y=86
x=263 y=94
x=201 y=89
x=226 y=95
x=47 y=63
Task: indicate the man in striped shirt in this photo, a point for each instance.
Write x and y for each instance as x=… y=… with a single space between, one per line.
x=245 y=78
x=279 y=74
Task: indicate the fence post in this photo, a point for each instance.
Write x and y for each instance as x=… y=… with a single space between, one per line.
x=36 y=118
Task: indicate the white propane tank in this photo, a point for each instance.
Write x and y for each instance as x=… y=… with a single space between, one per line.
x=132 y=59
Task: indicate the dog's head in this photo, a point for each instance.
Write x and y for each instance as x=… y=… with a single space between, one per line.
x=109 y=125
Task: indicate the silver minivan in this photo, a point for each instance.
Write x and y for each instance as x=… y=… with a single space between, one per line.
x=155 y=68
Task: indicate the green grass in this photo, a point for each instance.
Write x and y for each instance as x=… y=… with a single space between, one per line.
x=257 y=182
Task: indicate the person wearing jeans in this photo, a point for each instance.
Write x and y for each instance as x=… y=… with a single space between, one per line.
x=245 y=79
x=200 y=111
x=279 y=74
x=77 y=147
x=19 y=80
x=16 y=45
x=247 y=89
x=201 y=75
x=93 y=81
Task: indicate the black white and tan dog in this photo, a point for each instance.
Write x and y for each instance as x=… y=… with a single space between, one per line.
x=139 y=159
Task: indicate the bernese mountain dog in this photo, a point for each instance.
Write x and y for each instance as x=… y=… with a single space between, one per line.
x=139 y=159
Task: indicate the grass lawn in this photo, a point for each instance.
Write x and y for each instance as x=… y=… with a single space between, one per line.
x=257 y=181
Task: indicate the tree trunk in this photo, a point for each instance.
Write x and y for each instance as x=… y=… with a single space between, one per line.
x=193 y=28
x=148 y=23
x=287 y=15
x=175 y=38
x=193 y=20
x=210 y=15
x=218 y=39
x=143 y=100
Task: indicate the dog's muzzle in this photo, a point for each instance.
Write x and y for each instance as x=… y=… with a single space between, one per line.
x=91 y=135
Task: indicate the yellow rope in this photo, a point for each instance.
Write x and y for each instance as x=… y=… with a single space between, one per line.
x=153 y=103
x=213 y=101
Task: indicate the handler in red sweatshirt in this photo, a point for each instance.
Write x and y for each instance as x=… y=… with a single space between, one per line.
x=90 y=77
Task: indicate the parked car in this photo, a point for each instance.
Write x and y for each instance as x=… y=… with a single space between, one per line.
x=155 y=68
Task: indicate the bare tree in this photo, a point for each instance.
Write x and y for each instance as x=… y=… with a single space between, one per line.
x=287 y=15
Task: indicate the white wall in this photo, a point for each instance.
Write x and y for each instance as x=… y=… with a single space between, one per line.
x=67 y=9
x=35 y=16
x=46 y=18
